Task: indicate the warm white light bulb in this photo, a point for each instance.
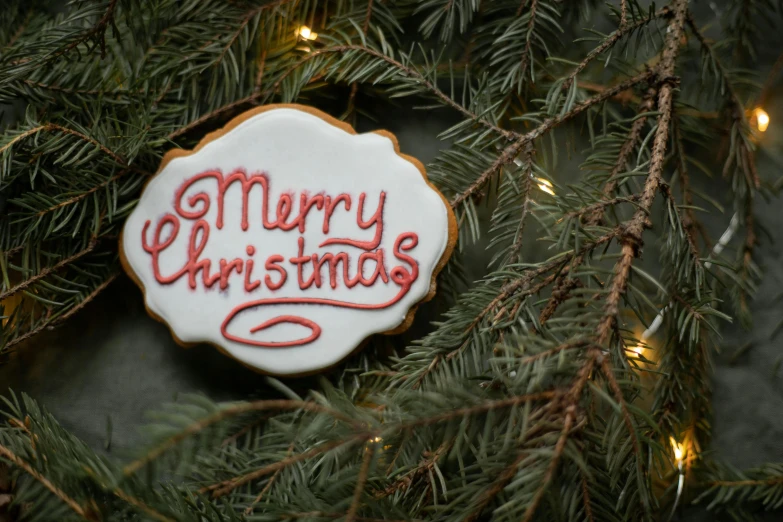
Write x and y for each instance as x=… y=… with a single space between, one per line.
x=762 y=119
x=307 y=34
x=545 y=186
x=679 y=450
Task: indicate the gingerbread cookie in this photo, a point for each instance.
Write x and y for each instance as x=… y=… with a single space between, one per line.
x=286 y=239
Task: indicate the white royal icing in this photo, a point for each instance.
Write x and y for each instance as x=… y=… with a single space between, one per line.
x=284 y=153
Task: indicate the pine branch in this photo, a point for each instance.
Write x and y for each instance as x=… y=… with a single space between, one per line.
x=625 y=153
x=53 y=127
x=223 y=488
x=513 y=150
x=585 y=491
x=497 y=486
x=354 y=85
x=612 y=40
x=631 y=239
x=228 y=412
x=369 y=451
x=519 y=288
x=52 y=320
x=405 y=70
x=59 y=493
x=528 y=40
x=141 y=506
x=550 y=472
x=692 y=224
x=46 y=271
x=527 y=173
x=269 y=484
x=737 y=109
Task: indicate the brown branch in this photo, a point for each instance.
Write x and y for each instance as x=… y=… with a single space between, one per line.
x=769 y=83
x=572 y=397
x=578 y=343
x=461 y=348
x=76 y=199
x=48 y=270
x=97 y=33
x=553 y=464
x=744 y=483
x=49 y=127
x=68 y=90
x=513 y=150
x=141 y=506
x=586 y=498
x=595 y=212
x=367 y=17
x=528 y=41
x=260 y=73
x=472 y=410
x=408 y=71
x=610 y=42
x=268 y=485
x=89 y=297
x=321 y=514
x=220 y=489
x=623 y=13
x=424 y=467
x=692 y=224
x=607 y=370
x=19 y=31
x=687 y=224
x=626 y=150
x=355 y=85
x=746 y=159
x=59 y=493
x=21 y=136
x=225 y=413
x=59 y=319
x=227 y=486
x=369 y=451
x=104 y=149
x=528 y=187
x=600 y=205
x=564 y=284
x=497 y=486
x=521 y=284
x=631 y=239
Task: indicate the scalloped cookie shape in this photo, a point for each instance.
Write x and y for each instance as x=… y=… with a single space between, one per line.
x=285 y=239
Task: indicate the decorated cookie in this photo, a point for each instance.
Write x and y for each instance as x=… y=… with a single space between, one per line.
x=286 y=239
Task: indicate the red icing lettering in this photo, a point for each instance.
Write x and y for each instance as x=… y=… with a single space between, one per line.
x=157 y=246
x=250 y=285
x=331 y=205
x=376 y=219
x=380 y=268
x=225 y=270
x=193 y=202
x=305 y=204
x=272 y=264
